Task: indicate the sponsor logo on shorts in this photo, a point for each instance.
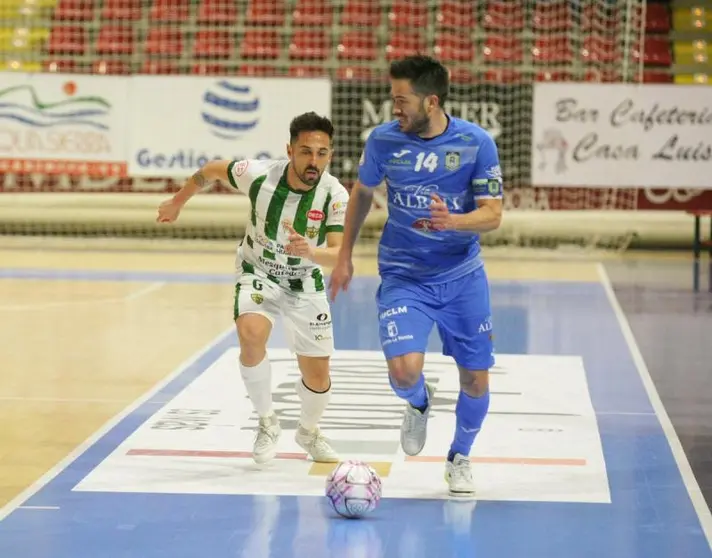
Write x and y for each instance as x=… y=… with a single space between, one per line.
x=485 y=326
x=240 y=167
x=396 y=311
x=257 y=298
x=320 y=337
x=392 y=332
x=321 y=323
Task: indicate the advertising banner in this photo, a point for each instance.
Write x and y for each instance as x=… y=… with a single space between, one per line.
x=621 y=135
x=63 y=124
x=177 y=123
x=503 y=110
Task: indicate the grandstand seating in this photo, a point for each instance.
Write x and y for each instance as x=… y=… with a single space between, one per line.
x=350 y=39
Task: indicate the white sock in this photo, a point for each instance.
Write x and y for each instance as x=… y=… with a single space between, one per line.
x=313 y=405
x=258 y=382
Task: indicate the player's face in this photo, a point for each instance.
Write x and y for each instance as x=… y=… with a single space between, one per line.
x=310 y=153
x=411 y=110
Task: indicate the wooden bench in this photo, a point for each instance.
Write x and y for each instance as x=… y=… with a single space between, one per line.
x=698 y=245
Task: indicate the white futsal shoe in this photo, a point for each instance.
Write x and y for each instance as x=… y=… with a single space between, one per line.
x=265 y=447
x=458 y=474
x=316 y=445
x=414 y=428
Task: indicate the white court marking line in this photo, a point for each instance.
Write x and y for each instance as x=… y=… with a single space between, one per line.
x=40 y=483
x=38 y=508
x=683 y=465
x=143 y=291
x=12 y=398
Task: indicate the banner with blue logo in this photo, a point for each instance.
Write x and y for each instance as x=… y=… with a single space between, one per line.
x=178 y=123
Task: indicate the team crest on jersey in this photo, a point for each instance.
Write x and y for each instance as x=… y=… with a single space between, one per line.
x=257 y=298
x=452 y=160
x=312 y=232
x=423 y=224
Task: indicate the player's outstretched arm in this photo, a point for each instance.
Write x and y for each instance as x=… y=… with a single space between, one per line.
x=359 y=205
x=169 y=210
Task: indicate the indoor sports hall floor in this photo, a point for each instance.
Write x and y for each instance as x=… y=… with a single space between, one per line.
x=125 y=431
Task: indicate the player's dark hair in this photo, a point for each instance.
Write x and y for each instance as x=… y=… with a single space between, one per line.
x=310 y=122
x=426 y=75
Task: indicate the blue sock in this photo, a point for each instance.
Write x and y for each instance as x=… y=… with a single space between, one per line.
x=416 y=395
x=469 y=413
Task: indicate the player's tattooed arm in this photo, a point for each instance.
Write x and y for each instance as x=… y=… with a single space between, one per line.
x=204 y=176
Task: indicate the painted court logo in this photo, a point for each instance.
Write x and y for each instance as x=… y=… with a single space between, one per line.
x=22 y=104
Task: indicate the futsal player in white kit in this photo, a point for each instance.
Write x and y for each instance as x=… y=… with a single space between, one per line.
x=295 y=227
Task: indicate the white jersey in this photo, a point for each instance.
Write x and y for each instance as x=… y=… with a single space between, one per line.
x=313 y=213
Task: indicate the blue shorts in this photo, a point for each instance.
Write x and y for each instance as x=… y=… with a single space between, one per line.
x=461 y=309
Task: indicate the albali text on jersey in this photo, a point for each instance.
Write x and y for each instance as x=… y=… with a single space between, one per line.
x=461 y=165
x=313 y=213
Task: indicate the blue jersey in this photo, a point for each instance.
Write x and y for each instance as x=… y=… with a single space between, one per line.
x=461 y=165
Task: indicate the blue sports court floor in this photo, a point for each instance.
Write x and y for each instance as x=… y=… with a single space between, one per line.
x=577 y=457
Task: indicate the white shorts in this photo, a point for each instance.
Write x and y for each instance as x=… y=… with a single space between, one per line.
x=307 y=316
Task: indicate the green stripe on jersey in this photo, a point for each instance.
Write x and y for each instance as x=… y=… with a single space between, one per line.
x=254 y=191
x=274 y=210
x=322 y=228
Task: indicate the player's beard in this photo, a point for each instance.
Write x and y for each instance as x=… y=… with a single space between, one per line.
x=310 y=178
x=416 y=124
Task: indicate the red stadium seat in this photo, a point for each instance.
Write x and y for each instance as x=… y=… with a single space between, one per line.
x=317 y=13
x=306 y=71
x=208 y=69
x=122 y=10
x=217 y=12
x=600 y=49
x=599 y=18
x=213 y=43
x=170 y=10
x=504 y=15
x=61 y=66
x=552 y=49
x=454 y=14
x=657 y=51
x=357 y=73
x=408 y=13
x=502 y=48
x=309 y=45
x=160 y=67
x=454 y=47
x=67 y=40
x=357 y=45
x=111 y=67
x=260 y=44
x=405 y=43
x=74 y=10
x=166 y=41
x=362 y=13
x=115 y=39
x=501 y=75
x=250 y=70
x=657 y=18
x=461 y=75
x=557 y=75
x=265 y=12
x=552 y=16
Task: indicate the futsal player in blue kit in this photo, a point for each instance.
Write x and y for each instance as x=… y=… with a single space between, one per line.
x=444 y=187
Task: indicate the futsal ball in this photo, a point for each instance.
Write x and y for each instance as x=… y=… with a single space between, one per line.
x=353 y=489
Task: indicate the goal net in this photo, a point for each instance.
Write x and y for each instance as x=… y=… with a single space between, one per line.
x=104 y=101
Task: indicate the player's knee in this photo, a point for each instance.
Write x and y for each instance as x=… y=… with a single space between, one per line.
x=315 y=372
x=474 y=383
x=253 y=332
x=405 y=370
